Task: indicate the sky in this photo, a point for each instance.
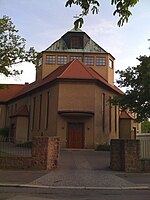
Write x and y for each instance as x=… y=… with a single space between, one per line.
x=43 y=22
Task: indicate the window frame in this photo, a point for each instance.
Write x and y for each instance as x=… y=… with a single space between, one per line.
x=51 y=59
x=111 y=63
x=100 y=61
x=88 y=59
x=61 y=60
x=76 y=57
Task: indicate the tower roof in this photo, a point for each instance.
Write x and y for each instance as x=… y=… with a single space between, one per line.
x=89 y=46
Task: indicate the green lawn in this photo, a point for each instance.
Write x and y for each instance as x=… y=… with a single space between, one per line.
x=5 y=154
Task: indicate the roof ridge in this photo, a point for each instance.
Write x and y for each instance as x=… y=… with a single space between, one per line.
x=98 y=74
x=86 y=68
x=67 y=67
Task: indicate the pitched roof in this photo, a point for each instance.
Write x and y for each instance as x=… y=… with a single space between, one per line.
x=9 y=91
x=21 y=111
x=91 y=46
x=126 y=115
x=74 y=70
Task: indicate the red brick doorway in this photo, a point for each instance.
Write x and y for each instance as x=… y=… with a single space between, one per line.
x=75 y=135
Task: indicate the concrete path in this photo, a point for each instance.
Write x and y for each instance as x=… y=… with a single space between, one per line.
x=83 y=168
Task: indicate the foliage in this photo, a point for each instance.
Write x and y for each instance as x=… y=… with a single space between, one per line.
x=5 y=154
x=121 y=8
x=137 y=96
x=145 y=126
x=103 y=147
x=12 y=48
x=4 y=132
x=25 y=145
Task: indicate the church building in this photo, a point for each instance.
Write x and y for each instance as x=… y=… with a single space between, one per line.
x=71 y=97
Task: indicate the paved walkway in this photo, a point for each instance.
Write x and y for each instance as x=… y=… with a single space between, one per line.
x=77 y=169
x=83 y=168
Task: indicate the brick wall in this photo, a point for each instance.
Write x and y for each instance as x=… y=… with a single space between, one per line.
x=125 y=156
x=45 y=154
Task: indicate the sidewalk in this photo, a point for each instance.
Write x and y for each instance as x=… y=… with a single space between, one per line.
x=77 y=169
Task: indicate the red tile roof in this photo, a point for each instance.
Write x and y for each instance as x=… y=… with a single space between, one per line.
x=74 y=70
x=126 y=115
x=9 y=91
x=22 y=111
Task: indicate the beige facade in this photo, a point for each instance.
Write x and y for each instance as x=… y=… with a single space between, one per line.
x=71 y=97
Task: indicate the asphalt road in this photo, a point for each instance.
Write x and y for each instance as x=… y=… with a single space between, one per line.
x=8 y=193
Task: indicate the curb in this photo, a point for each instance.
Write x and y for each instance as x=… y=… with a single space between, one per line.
x=74 y=187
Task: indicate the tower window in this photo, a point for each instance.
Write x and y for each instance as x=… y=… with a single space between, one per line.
x=89 y=60
x=76 y=43
x=76 y=57
x=40 y=61
x=110 y=63
x=50 y=59
x=61 y=60
x=100 y=61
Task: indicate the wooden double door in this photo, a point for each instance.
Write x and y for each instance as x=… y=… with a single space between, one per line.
x=75 y=136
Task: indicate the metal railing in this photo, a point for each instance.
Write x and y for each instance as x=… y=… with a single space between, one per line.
x=8 y=148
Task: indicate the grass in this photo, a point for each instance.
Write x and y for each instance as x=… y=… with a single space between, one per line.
x=5 y=154
x=103 y=147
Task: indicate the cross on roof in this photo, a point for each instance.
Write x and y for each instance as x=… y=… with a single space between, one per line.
x=76 y=16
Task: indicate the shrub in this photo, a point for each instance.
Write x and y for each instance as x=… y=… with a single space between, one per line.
x=103 y=147
x=25 y=144
x=4 y=132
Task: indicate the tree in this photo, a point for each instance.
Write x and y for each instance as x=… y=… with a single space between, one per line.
x=145 y=126
x=137 y=96
x=122 y=9
x=12 y=48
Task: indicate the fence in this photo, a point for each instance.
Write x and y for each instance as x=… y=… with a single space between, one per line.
x=125 y=156
x=144 y=145
x=9 y=149
x=145 y=149
x=43 y=154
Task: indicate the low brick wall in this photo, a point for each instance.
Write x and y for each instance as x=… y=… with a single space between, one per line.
x=45 y=154
x=15 y=162
x=125 y=156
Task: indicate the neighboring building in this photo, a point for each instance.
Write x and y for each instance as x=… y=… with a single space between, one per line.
x=70 y=97
x=128 y=127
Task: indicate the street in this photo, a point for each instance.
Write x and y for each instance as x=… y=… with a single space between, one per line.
x=9 y=193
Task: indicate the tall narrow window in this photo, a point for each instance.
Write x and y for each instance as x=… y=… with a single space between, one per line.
x=110 y=63
x=116 y=118
x=12 y=109
x=110 y=114
x=15 y=107
x=103 y=111
x=47 y=111
x=40 y=61
x=40 y=109
x=28 y=136
x=33 y=114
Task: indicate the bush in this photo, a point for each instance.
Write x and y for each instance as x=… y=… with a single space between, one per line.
x=103 y=147
x=4 y=132
x=25 y=144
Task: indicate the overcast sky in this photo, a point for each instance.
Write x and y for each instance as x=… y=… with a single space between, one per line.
x=43 y=22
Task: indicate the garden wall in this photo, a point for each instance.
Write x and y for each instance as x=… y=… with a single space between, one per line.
x=44 y=156
x=125 y=156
